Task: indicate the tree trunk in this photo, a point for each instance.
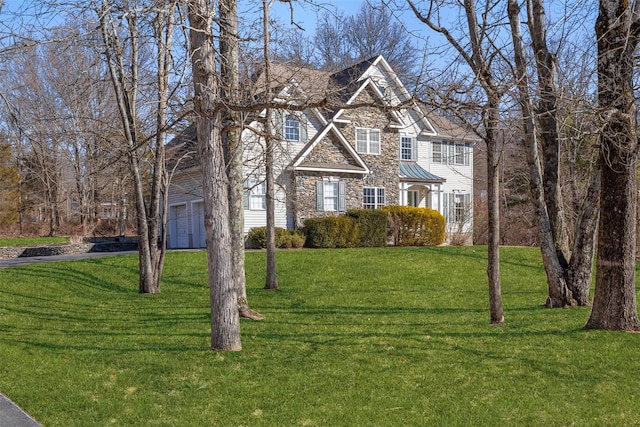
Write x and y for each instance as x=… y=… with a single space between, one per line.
x=232 y=142
x=547 y=118
x=568 y=281
x=225 y=318
x=559 y=294
x=271 y=281
x=124 y=77
x=493 y=205
x=614 y=303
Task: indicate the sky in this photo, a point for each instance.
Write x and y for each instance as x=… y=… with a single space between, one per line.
x=306 y=15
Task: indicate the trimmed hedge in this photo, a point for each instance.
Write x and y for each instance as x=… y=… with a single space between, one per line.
x=373 y=226
x=411 y=226
x=332 y=232
x=285 y=239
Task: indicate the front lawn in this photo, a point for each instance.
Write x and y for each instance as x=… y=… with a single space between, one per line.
x=31 y=241
x=356 y=337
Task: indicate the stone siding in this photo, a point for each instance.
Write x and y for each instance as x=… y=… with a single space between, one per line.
x=330 y=150
x=384 y=167
x=304 y=203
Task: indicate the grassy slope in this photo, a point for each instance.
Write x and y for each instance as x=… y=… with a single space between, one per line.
x=387 y=337
x=31 y=241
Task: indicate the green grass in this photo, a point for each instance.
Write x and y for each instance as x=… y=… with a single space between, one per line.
x=31 y=241
x=359 y=337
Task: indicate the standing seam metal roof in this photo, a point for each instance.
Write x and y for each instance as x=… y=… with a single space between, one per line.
x=413 y=171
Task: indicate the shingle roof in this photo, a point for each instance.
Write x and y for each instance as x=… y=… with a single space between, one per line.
x=411 y=171
x=181 y=150
x=446 y=128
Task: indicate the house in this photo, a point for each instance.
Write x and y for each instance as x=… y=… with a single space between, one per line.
x=345 y=140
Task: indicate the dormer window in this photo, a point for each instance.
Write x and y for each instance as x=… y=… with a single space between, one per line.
x=292 y=128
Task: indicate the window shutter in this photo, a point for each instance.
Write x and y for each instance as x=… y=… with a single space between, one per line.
x=245 y=195
x=342 y=198
x=467 y=207
x=445 y=206
x=467 y=154
x=319 y=195
x=452 y=207
x=414 y=149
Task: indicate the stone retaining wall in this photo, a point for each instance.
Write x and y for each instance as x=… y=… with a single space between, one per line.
x=79 y=248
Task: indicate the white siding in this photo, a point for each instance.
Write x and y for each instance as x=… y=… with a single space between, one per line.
x=258 y=218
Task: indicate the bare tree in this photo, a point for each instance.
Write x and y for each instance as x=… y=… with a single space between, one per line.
x=232 y=146
x=123 y=60
x=271 y=276
x=480 y=53
x=225 y=319
x=568 y=266
x=614 y=302
x=342 y=41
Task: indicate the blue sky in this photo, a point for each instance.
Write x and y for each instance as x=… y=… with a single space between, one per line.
x=306 y=15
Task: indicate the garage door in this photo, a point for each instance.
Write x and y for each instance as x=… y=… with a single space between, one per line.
x=199 y=236
x=179 y=227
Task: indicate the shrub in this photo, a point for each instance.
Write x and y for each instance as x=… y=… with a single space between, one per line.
x=411 y=226
x=372 y=224
x=257 y=238
x=297 y=238
x=332 y=232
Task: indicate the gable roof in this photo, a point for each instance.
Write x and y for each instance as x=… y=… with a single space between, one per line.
x=299 y=86
x=181 y=151
x=300 y=162
x=445 y=128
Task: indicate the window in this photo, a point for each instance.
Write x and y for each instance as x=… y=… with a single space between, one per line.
x=451 y=153
x=457 y=207
x=459 y=154
x=330 y=195
x=368 y=141
x=437 y=154
x=372 y=197
x=408 y=149
x=255 y=195
x=292 y=128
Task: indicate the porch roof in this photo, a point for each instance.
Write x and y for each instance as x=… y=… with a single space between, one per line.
x=411 y=171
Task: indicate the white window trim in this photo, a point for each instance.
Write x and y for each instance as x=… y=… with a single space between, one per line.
x=379 y=195
x=297 y=127
x=255 y=191
x=413 y=155
x=448 y=153
x=455 y=213
x=369 y=146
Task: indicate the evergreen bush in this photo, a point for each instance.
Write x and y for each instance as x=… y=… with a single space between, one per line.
x=372 y=224
x=332 y=232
